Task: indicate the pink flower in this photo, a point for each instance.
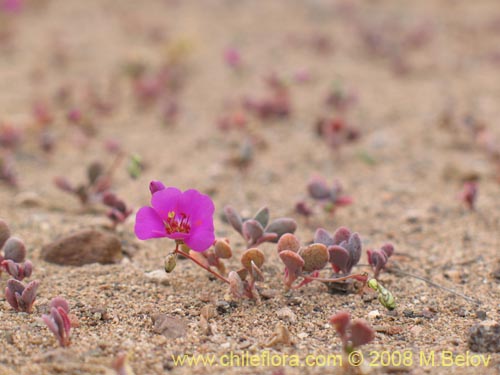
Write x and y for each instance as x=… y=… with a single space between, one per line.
x=182 y=216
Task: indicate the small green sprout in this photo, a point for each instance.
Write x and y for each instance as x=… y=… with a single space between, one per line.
x=384 y=296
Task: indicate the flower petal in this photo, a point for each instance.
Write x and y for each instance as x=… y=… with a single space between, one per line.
x=200 y=240
x=196 y=205
x=165 y=201
x=148 y=224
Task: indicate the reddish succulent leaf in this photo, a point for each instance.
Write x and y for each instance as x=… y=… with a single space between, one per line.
x=281 y=226
x=322 y=236
x=267 y=237
x=318 y=188
x=361 y=333
x=293 y=262
x=29 y=294
x=388 y=249
x=340 y=322
x=252 y=231
x=354 y=247
x=288 y=242
x=252 y=255
x=14 y=250
x=222 y=249
x=4 y=232
x=11 y=268
x=59 y=302
x=10 y=296
x=315 y=257
x=339 y=258
x=341 y=234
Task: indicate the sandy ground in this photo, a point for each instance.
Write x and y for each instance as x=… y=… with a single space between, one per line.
x=404 y=173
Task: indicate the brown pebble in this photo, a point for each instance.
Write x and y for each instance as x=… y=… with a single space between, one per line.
x=84 y=247
x=168 y=326
x=485 y=337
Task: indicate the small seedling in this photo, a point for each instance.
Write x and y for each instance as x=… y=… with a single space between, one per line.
x=21 y=297
x=242 y=282
x=306 y=262
x=232 y=58
x=275 y=105
x=353 y=334
x=385 y=297
x=13 y=260
x=343 y=247
x=336 y=131
x=377 y=258
x=339 y=98
x=469 y=194
x=329 y=197
x=97 y=189
x=118 y=210
x=258 y=229
x=58 y=321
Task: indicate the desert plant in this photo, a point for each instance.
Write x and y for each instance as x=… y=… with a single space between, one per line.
x=21 y=297
x=58 y=321
x=258 y=229
x=377 y=258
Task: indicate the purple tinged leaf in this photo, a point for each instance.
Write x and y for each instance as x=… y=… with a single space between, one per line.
x=267 y=237
x=354 y=247
x=388 y=249
x=339 y=258
x=66 y=324
x=288 y=242
x=11 y=298
x=322 y=236
x=262 y=216
x=50 y=323
x=60 y=302
x=15 y=286
x=318 y=188
x=361 y=333
x=252 y=231
x=29 y=294
x=4 y=232
x=281 y=226
x=377 y=259
x=28 y=268
x=11 y=268
x=234 y=219
x=341 y=234
x=14 y=250
x=58 y=320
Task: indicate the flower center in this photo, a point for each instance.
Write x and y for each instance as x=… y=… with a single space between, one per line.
x=177 y=223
